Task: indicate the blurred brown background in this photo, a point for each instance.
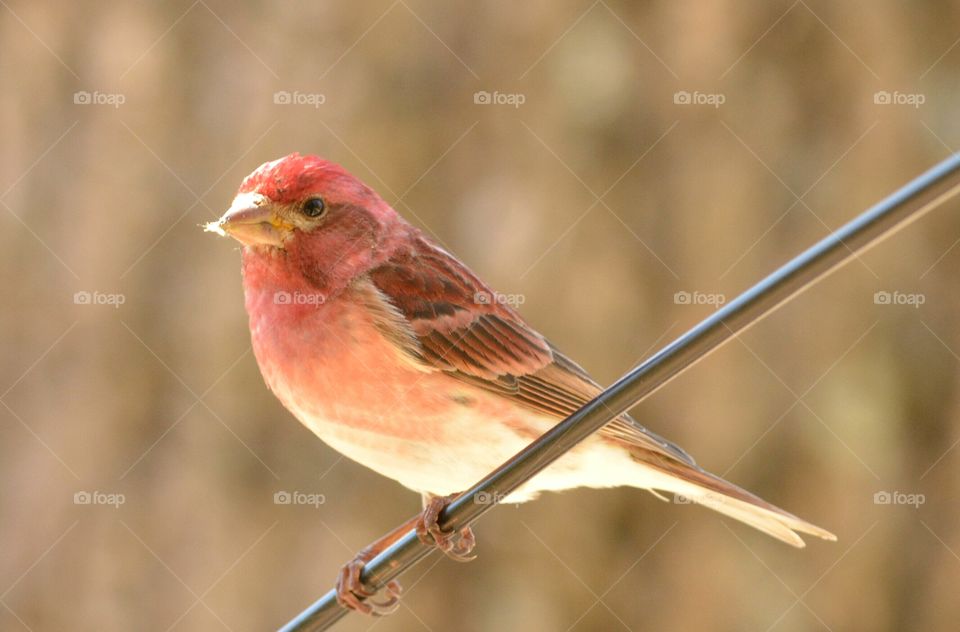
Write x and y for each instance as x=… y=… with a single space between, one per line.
x=601 y=199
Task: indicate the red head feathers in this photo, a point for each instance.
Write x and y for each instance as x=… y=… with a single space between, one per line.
x=293 y=178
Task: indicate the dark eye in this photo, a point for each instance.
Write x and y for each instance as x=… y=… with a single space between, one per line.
x=314 y=207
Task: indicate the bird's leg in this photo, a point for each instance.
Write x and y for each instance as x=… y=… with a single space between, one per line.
x=455 y=545
x=353 y=595
x=351 y=592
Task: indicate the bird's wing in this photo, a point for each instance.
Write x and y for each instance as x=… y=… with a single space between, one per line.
x=441 y=315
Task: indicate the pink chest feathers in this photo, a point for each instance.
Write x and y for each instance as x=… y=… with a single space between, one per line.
x=330 y=364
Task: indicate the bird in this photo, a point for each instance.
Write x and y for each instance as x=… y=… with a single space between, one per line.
x=394 y=353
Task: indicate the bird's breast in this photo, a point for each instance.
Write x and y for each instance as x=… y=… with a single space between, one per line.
x=330 y=364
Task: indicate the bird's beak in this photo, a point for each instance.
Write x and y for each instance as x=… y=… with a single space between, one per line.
x=252 y=221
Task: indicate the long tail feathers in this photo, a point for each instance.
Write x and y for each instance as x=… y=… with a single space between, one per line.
x=703 y=488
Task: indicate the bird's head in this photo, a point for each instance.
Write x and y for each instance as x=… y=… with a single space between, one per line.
x=310 y=215
x=296 y=199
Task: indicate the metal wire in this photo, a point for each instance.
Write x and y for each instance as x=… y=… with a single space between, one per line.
x=905 y=205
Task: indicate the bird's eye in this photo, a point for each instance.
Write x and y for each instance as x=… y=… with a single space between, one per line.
x=314 y=207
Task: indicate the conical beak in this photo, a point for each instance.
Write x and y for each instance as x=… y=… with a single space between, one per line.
x=252 y=221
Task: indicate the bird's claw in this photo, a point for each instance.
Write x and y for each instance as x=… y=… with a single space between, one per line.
x=455 y=545
x=354 y=595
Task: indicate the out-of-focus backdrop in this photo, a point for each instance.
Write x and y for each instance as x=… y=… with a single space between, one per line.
x=616 y=167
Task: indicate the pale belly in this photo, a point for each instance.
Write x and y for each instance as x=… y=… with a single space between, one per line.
x=424 y=429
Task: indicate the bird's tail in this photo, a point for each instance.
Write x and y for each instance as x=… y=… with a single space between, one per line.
x=698 y=486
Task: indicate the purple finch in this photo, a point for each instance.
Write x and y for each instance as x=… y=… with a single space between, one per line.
x=394 y=353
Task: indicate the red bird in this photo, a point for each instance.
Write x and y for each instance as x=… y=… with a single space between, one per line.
x=398 y=356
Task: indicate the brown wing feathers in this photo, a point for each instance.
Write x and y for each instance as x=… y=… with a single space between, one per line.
x=487 y=344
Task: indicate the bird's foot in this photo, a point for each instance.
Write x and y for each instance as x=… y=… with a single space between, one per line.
x=457 y=545
x=354 y=595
